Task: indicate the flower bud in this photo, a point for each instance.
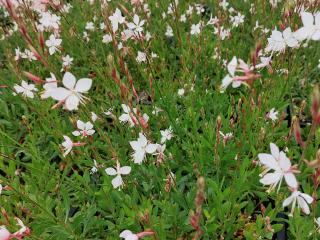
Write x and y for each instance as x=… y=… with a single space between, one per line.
x=315 y=104
x=297 y=131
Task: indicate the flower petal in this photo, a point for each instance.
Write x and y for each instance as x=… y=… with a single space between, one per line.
x=291 y=180
x=307 y=19
x=268 y=160
x=72 y=102
x=76 y=133
x=69 y=80
x=287 y=201
x=110 y=171
x=80 y=125
x=83 y=85
x=308 y=198
x=274 y=150
x=117 y=181
x=125 y=233
x=125 y=170
x=60 y=93
x=303 y=205
x=271 y=178
x=284 y=162
x=151 y=148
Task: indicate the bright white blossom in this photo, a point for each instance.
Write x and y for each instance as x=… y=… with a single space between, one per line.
x=90 y=26
x=49 y=86
x=128 y=235
x=272 y=114
x=26 y=89
x=166 y=134
x=169 y=31
x=228 y=79
x=278 y=41
x=311 y=27
x=118 y=171
x=67 y=144
x=48 y=21
x=141 y=147
x=281 y=165
x=107 y=38
x=181 y=92
x=142 y=57
x=73 y=92
x=85 y=129
x=116 y=19
x=53 y=44
x=195 y=29
x=136 y=25
x=302 y=199
x=237 y=20
x=67 y=61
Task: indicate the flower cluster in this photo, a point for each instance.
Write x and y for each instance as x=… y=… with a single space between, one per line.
x=281 y=167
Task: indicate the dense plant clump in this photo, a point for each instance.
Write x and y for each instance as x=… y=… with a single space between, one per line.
x=145 y=119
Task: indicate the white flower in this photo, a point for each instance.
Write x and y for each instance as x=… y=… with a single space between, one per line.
x=128 y=235
x=49 y=86
x=48 y=21
x=303 y=200
x=278 y=41
x=89 y=26
x=72 y=94
x=237 y=20
x=102 y=26
x=53 y=43
x=85 y=129
x=67 y=61
x=136 y=25
x=311 y=27
x=18 y=54
x=94 y=117
x=195 y=29
x=118 y=171
x=228 y=79
x=26 y=89
x=107 y=38
x=183 y=18
x=265 y=61
x=181 y=92
x=272 y=114
x=166 y=134
x=115 y=19
x=67 y=144
x=281 y=165
x=142 y=57
x=224 y=4
x=169 y=31
x=141 y=147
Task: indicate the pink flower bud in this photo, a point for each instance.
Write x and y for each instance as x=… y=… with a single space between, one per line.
x=315 y=105
x=34 y=78
x=297 y=131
